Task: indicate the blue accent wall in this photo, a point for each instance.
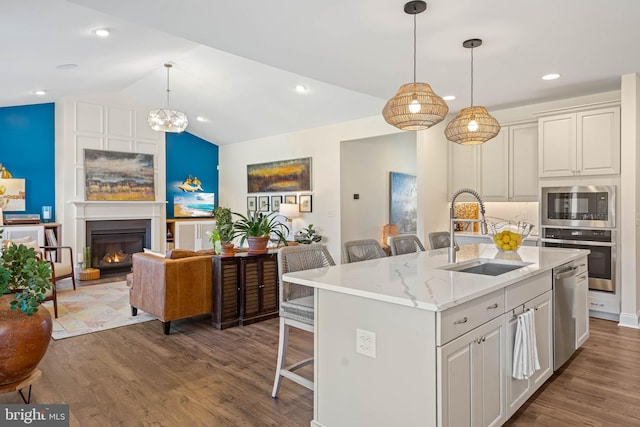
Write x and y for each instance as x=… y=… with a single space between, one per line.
x=27 y=141
x=189 y=155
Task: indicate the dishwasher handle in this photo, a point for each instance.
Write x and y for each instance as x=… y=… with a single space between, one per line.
x=571 y=271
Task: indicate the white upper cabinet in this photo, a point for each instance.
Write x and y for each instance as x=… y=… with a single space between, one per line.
x=502 y=169
x=577 y=144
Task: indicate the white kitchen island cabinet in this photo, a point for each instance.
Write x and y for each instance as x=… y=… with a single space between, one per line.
x=404 y=341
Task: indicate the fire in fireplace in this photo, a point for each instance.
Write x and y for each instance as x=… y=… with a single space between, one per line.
x=113 y=242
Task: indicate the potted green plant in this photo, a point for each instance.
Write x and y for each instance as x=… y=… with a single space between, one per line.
x=257 y=228
x=224 y=232
x=308 y=235
x=25 y=330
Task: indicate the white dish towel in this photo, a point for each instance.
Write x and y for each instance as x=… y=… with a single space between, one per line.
x=525 y=350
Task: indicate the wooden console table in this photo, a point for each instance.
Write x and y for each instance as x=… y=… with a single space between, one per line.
x=245 y=289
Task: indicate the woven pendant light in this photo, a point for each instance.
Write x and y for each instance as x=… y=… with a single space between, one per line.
x=415 y=106
x=473 y=125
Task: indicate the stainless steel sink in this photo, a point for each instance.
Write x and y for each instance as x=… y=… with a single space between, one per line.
x=485 y=266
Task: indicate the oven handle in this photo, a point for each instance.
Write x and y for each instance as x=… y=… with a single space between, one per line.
x=579 y=242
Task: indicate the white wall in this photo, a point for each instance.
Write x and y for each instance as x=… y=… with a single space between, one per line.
x=629 y=237
x=323 y=145
x=365 y=165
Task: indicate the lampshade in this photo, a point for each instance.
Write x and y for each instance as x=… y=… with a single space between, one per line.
x=167 y=119
x=462 y=130
x=289 y=210
x=415 y=106
x=472 y=125
x=397 y=111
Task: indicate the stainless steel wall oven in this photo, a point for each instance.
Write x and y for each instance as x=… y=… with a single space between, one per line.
x=583 y=217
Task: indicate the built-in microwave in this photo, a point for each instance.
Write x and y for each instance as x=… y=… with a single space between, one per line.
x=590 y=206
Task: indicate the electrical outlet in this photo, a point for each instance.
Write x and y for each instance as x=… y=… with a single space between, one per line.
x=366 y=343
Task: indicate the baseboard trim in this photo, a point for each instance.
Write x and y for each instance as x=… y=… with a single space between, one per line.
x=604 y=315
x=629 y=320
x=314 y=423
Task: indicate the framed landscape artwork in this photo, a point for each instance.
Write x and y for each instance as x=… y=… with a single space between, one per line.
x=12 y=195
x=403 y=202
x=280 y=176
x=305 y=203
x=193 y=204
x=114 y=175
x=290 y=199
x=263 y=203
x=275 y=203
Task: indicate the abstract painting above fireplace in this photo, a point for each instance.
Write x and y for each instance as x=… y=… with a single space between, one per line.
x=114 y=175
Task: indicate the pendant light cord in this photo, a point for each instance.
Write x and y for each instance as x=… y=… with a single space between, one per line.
x=414 y=44
x=168 y=90
x=472 y=75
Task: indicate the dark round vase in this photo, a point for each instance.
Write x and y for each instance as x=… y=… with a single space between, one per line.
x=258 y=245
x=23 y=341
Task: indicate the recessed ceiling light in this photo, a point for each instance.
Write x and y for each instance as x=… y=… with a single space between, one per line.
x=39 y=92
x=202 y=119
x=301 y=89
x=449 y=97
x=101 y=32
x=551 y=76
x=67 y=66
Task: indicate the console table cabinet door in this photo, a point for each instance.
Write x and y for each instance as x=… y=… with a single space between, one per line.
x=259 y=280
x=226 y=290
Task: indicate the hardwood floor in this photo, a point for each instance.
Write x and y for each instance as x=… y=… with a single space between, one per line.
x=199 y=376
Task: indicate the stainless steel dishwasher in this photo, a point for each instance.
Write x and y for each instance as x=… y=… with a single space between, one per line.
x=564 y=322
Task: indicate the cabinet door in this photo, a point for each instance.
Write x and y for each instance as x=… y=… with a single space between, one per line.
x=185 y=235
x=581 y=309
x=463 y=169
x=202 y=238
x=494 y=168
x=518 y=391
x=260 y=287
x=226 y=290
x=471 y=377
x=557 y=146
x=523 y=163
x=489 y=375
x=598 y=149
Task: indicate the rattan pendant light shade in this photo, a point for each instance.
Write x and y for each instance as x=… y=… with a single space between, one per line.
x=433 y=109
x=415 y=106
x=472 y=125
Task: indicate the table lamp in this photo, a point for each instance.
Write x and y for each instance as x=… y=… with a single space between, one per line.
x=290 y=211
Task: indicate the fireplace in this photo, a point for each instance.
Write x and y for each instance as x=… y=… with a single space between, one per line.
x=113 y=243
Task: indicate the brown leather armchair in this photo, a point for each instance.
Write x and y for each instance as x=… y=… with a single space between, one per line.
x=170 y=289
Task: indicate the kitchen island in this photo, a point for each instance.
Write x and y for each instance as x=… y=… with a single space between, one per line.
x=407 y=340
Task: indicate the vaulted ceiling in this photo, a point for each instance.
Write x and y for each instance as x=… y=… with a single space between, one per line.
x=237 y=63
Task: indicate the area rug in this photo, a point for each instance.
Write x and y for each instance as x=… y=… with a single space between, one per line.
x=93 y=308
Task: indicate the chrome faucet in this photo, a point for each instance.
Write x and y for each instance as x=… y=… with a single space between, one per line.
x=483 y=223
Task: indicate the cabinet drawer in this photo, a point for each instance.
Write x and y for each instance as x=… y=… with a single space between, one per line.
x=526 y=290
x=465 y=317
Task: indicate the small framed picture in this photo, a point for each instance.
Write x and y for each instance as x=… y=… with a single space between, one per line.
x=263 y=203
x=290 y=199
x=305 y=203
x=251 y=203
x=275 y=203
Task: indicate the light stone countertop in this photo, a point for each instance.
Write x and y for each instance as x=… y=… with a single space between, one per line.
x=415 y=279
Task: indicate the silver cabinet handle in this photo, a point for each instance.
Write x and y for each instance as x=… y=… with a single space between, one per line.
x=582 y=277
x=463 y=320
x=493 y=306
